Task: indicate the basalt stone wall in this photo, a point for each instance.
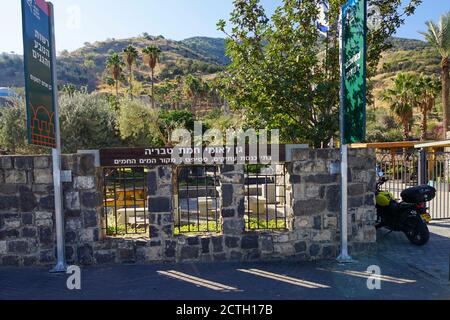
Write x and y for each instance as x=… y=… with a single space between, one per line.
x=316 y=201
x=27 y=215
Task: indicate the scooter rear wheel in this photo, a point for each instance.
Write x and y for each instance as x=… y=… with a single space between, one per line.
x=417 y=232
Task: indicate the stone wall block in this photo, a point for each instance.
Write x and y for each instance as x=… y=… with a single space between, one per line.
x=6 y=162
x=43 y=176
x=15 y=176
x=42 y=162
x=84 y=182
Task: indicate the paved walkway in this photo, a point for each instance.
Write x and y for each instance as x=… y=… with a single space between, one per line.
x=408 y=272
x=286 y=280
x=431 y=260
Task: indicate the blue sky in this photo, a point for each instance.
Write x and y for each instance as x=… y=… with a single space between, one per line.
x=79 y=21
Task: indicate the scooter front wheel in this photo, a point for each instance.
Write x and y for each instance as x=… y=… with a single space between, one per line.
x=417 y=232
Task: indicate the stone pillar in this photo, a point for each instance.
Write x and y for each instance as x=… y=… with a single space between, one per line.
x=83 y=207
x=160 y=210
x=361 y=191
x=316 y=201
x=232 y=199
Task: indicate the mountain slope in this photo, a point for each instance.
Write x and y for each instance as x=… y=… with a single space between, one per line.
x=412 y=56
x=201 y=56
x=210 y=47
x=86 y=66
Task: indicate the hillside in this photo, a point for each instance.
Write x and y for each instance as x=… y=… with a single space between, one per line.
x=406 y=55
x=201 y=56
x=86 y=66
x=411 y=56
x=213 y=48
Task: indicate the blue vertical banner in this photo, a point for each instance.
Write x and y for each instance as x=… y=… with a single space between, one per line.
x=38 y=55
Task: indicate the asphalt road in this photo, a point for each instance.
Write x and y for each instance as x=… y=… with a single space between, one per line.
x=284 y=280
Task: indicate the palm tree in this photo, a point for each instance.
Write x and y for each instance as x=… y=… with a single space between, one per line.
x=152 y=56
x=193 y=87
x=438 y=35
x=401 y=99
x=114 y=64
x=130 y=55
x=426 y=88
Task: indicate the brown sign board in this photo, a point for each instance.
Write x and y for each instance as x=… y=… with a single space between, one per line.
x=143 y=157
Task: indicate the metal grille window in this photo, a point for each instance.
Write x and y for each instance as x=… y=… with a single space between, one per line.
x=266 y=197
x=197 y=201
x=125 y=201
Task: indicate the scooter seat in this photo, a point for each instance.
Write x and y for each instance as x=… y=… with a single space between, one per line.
x=406 y=205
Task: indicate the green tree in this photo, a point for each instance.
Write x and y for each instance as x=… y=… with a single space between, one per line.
x=152 y=56
x=87 y=122
x=115 y=66
x=175 y=119
x=401 y=99
x=426 y=89
x=285 y=75
x=130 y=55
x=139 y=125
x=439 y=37
x=13 y=130
x=193 y=88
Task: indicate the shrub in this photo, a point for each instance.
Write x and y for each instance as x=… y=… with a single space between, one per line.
x=87 y=122
x=138 y=124
x=13 y=130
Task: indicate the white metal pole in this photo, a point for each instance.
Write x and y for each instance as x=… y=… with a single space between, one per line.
x=56 y=155
x=343 y=257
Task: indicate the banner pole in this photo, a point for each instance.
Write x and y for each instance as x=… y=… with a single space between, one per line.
x=344 y=256
x=61 y=266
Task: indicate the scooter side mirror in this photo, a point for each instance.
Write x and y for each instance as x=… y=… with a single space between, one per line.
x=380 y=173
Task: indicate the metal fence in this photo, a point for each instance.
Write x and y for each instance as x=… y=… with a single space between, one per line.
x=197 y=200
x=266 y=197
x=437 y=174
x=401 y=168
x=407 y=168
x=125 y=209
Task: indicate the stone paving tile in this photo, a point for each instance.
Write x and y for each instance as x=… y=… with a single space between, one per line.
x=431 y=259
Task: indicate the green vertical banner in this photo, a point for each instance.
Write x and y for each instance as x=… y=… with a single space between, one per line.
x=354 y=21
x=38 y=48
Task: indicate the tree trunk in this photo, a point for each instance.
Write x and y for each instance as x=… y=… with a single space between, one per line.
x=445 y=94
x=406 y=131
x=131 y=82
x=153 y=89
x=117 y=88
x=424 y=126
